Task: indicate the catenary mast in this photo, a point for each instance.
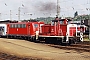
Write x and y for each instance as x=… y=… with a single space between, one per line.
x=58 y=8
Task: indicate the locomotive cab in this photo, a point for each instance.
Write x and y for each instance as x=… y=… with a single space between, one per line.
x=63 y=27
x=61 y=21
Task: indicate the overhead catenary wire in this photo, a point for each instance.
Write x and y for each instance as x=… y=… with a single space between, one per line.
x=81 y=7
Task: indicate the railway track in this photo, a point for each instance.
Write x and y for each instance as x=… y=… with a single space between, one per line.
x=83 y=46
x=4 y=56
x=78 y=47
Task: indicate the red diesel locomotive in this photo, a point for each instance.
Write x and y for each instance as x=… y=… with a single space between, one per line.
x=59 y=31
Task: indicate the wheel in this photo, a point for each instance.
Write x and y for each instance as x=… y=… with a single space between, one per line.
x=47 y=41
x=32 y=39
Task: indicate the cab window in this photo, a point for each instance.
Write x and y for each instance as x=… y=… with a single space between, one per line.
x=35 y=25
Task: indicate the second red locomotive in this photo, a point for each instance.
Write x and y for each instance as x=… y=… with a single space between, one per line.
x=23 y=29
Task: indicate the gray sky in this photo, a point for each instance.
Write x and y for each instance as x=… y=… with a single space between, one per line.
x=42 y=8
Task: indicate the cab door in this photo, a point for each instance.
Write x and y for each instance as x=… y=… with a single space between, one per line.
x=72 y=30
x=36 y=27
x=28 y=29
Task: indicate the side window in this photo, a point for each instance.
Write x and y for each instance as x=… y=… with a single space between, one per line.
x=10 y=25
x=61 y=22
x=0 y=28
x=18 y=25
x=69 y=22
x=13 y=25
x=23 y=25
x=52 y=23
